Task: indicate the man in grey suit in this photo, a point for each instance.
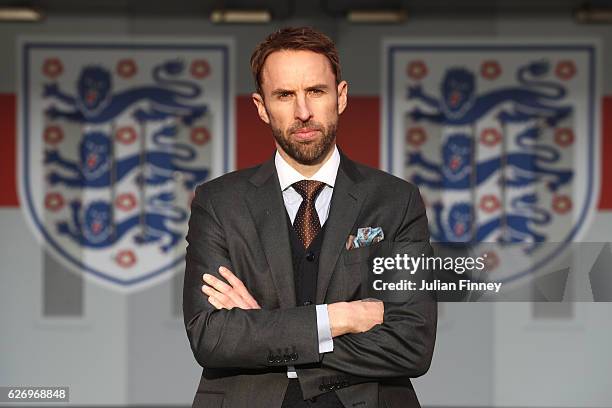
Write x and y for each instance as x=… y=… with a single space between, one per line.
x=278 y=261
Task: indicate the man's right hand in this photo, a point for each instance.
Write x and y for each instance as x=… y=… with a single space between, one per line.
x=355 y=317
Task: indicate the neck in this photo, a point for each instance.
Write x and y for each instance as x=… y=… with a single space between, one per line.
x=306 y=170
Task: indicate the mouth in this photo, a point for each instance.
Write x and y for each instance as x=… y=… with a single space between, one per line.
x=455 y=99
x=455 y=163
x=306 y=134
x=91 y=160
x=459 y=229
x=91 y=97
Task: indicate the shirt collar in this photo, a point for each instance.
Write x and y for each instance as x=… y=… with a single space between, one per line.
x=287 y=175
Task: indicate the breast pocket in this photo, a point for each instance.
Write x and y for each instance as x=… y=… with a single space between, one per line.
x=356 y=255
x=363 y=254
x=357 y=270
x=358 y=273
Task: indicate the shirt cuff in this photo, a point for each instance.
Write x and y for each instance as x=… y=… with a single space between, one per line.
x=291 y=373
x=326 y=343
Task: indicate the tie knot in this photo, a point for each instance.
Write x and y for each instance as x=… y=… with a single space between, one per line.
x=308 y=189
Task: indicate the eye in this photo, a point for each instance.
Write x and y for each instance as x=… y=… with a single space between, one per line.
x=316 y=92
x=284 y=95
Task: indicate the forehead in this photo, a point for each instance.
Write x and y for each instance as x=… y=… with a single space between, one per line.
x=290 y=69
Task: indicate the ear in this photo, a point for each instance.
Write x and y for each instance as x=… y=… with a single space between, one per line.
x=261 y=108
x=342 y=96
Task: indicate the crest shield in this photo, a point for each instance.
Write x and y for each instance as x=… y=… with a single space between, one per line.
x=501 y=138
x=114 y=136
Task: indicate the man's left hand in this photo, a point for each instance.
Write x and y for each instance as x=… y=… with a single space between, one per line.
x=228 y=295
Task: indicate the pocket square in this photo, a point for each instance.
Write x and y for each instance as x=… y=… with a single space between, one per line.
x=365 y=237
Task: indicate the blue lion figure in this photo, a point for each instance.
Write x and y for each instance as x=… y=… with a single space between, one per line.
x=460 y=104
x=95 y=102
x=527 y=166
x=99 y=231
x=518 y=225
x=93 y=170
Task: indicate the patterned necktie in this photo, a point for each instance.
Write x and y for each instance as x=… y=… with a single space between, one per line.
x=306 y=223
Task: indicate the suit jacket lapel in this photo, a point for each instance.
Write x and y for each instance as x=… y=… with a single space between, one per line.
x=345 y=205
x=267 y=208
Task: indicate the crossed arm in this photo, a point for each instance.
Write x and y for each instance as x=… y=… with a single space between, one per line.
x=240 y=334
x=227 y=327
x=344 y=317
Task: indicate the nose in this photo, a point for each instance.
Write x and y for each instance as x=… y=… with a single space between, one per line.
x=302 y=110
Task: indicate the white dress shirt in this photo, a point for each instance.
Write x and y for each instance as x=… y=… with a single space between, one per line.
x=287 y=175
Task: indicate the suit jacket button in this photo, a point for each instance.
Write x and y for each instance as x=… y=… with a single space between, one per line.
x=310 y=256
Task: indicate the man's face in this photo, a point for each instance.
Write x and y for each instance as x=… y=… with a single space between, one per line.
x=301 y=103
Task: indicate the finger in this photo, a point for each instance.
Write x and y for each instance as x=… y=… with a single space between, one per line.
x=229 y=290
x=215 y=303
x=253 y=303
x=226 y=289
x=216 y=283
x=221 y=298
x=218 y=304
x=239 y=286
x=209 y=291
x=231 y=296
x=230 y=277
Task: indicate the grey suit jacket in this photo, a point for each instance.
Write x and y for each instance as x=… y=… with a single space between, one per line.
x=238 y=220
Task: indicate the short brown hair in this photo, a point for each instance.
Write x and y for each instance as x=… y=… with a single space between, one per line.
x=294 y=38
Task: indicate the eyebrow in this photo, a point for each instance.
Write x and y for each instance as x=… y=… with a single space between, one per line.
x=310 y=88
x=281 y=91
x=318 y=86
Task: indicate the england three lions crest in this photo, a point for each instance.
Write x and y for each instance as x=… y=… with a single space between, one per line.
x=501 y=139
x=114 y=138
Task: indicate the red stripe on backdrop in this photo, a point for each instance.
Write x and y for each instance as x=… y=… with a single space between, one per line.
x=8 y=137
x=254 y=142
x=357 y=132
x=605 y=195
x=359 y=128
x=358 y=136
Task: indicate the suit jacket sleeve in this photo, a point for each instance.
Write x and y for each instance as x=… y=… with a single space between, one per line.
x=403 y=345
x=236 y=338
